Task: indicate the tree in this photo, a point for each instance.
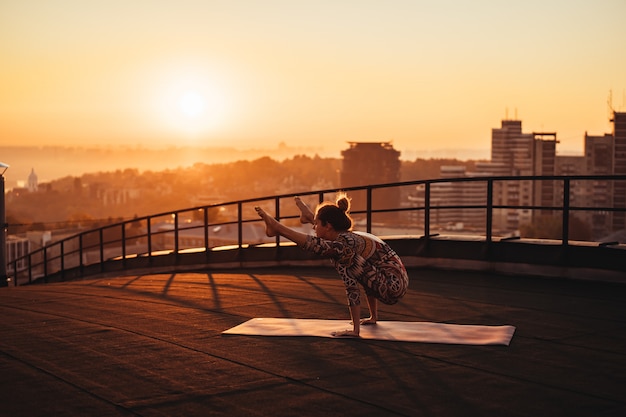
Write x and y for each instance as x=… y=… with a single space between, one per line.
x=551 y=227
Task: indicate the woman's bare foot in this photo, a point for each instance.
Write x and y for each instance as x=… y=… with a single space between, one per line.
x=306 y=215
x=269 y=222
x=368 y=321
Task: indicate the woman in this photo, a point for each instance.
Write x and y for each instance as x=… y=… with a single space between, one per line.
x=360 y=258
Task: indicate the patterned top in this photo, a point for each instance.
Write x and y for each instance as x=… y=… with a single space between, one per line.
x=362 y=258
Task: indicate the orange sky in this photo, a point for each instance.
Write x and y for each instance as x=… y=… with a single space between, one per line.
x=428 y=76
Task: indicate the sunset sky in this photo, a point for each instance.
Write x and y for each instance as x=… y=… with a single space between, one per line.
x=426 y=75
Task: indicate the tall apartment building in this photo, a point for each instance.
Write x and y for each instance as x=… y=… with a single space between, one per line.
x=516 y=152
x=367 y=163
x=460 y=194
x=544 y=163
x=605 y=155
x=619 y=168
x=580 y=191
x=599 y=161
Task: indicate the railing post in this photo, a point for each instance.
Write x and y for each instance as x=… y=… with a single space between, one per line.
x=489 y=220
x=3 y=232
x=80 y=254
x=149 y=238
x=62 y=256
x=101 y=238
x=277 y=211
x=176 y=233
x=206 y=229
x=30 y=270
x=123 y=226
x=368 y=213
x=566 y=195
x=427 y=210
x=239 y=224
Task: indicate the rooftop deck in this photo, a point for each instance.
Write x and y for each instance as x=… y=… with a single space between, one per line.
x=151 y=345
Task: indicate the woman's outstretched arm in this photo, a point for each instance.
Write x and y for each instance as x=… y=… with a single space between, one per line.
x=273 y=227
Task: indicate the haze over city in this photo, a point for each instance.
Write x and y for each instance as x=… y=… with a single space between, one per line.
x=431 y=77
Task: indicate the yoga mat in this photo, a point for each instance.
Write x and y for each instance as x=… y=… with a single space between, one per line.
x=405 y=331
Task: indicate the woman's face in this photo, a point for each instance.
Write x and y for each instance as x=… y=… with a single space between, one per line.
x=323 y=231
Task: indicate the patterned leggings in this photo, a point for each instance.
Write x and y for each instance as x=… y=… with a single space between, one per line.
x=388 y=283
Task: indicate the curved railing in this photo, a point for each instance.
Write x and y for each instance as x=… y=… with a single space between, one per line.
x=493 y=208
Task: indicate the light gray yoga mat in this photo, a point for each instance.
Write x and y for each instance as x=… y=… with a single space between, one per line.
x=405 y=331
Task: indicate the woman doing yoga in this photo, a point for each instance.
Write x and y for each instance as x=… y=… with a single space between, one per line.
x=361 y=259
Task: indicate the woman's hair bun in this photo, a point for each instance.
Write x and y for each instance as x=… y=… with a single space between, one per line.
x=343 y=202
x=336 y=214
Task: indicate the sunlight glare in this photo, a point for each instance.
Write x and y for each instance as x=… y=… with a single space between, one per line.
x=192 y=104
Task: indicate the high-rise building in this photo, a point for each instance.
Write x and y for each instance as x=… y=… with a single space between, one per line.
x=579 y=192
x=368 y=163
x=619 y=168
x=512 y=148
x=605 y=155
x=599 y=161
x=544 y=163
x=459 y=195
x=514 y=151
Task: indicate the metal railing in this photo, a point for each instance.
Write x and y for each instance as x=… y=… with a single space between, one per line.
x=489 y=207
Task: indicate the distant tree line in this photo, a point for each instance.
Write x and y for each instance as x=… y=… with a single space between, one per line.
x=96 y=199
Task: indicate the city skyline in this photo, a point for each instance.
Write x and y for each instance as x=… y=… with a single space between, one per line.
x=57 y=161
x=428 y=77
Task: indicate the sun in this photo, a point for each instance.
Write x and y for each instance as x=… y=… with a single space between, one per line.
x=192 y=104
x=192 y=107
